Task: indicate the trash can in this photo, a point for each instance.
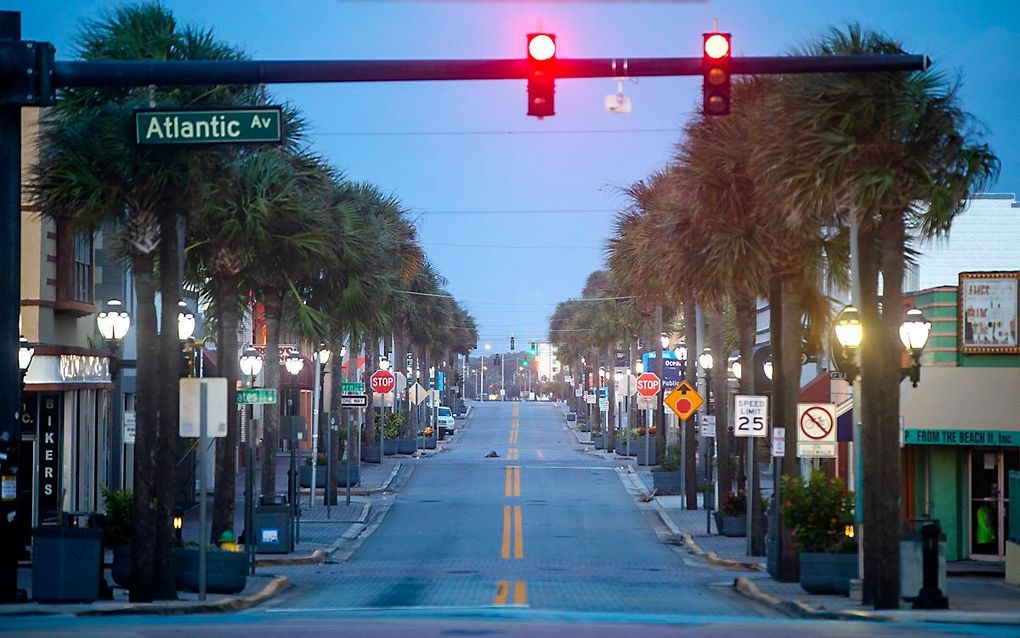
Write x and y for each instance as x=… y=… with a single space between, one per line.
x=66 y=564
x=912 y=555
x=273 y=524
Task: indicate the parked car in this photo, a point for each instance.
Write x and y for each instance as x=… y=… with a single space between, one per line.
x=446 y=419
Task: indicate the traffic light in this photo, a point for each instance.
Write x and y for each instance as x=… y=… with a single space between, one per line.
x=715 y=62
x=524 y=363
x=534 y=348
x=511 y=343
x=541 y=79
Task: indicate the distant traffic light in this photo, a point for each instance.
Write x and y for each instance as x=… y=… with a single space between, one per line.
x=511 y=343
x=541 y=79
x=534 y=348
x=715 y=62
x=524 y=363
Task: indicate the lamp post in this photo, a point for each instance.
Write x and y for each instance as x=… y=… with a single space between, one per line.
x=322 y=356
x=113 y=323
x=488 y=347
x=26 y=351
x=185 y=330
x=250 y=364
x=914 y=333
x=294 y=363
x=705 y=360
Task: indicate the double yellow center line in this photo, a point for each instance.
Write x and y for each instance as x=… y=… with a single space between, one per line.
x=513 y=592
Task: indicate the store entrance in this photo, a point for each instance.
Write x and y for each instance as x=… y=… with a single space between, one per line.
x=989 y=501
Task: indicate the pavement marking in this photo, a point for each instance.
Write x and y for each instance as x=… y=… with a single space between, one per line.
x=507 y=487
x=519 y=535
x=505 y=551
x=517 y=480
x=502 y=592
x=520 y=592
x=513 y=454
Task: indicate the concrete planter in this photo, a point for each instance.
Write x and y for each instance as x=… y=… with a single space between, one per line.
x=731 y=525
x=67 y=564
x=827 y=573
x=305 y=476
x=667 y=482
x=225 y=572
x=599 y=441
x=407 y=446
x=429 y=442
x=389 y=447
x=371 y=455
x=341 y=474
x=622 y=449
x=646 y=449
x=121 y=568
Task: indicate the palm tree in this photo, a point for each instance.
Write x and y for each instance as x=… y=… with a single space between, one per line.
x=90 y=172
x=901 y=163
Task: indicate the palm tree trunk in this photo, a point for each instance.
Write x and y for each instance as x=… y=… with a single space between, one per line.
x=335 y=440
x=691 y=453
x=745 y=310
x=143 y=515
x=273 y=303
x=226 y=459
x=787 y=395
x=660 y=368
x=717 y=340
x=371 y=364
x=169 y=442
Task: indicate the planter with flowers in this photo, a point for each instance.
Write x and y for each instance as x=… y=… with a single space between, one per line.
x=429 y=438
x=117 y=532
x=731 y=519
x=393 y=423
x=819 y=514
x=667 y=476
x=645 y=446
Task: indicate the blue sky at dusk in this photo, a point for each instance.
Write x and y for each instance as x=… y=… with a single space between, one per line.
x=451 y=150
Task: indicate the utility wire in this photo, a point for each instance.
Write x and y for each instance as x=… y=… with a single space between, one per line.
x=482 y=132
x=537 y=211
x=433 y=294
x=515 y=247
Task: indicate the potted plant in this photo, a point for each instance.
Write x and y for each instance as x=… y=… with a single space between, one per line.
x=667 y=476
x=429 y=437
x=644 y=446
x=406 y=444
x=623 y=436
x=226 y=571
x=117 y=532
x=393 y=422
x=597 y=438
x=305 y=471
x=819 y=514
x=731 y=518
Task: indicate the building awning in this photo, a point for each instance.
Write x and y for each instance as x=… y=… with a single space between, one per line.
x=961 y=399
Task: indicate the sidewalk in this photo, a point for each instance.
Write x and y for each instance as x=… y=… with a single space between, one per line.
x=321 y=529
x=972 y=600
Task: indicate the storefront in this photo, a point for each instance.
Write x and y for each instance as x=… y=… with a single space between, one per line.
x=66 y=433
x=961 y=436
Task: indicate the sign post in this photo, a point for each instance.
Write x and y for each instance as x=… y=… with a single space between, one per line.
x=816 y=430
x=752 y=422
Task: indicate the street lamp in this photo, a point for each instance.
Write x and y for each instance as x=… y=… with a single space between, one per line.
x=705 y=359
x=767 y=368
x=849 y=333
x=736 y=368
x=185 y=322
x=914 y=333
x=113 y=322
x=251 y=363
x=664 y=340
x=384 y=363
x=294 y=363
x=639 y=367
x=681 y=354
x=25 y=353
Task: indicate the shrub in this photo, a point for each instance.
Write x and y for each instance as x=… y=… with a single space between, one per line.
x=818 y=512
x=117 y=527
x=735 y=504
x=393 y=424
x=671 y=461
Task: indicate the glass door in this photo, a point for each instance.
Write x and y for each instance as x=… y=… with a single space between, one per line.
x=989 y=500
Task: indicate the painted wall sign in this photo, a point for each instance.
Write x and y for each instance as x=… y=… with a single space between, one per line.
x=84 y=368
x=988 y=312
x=50 y=420
x=996 y=438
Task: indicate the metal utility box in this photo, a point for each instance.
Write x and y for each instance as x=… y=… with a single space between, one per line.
x=273 y=525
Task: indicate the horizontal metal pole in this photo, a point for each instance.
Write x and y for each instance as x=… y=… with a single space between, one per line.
x=143 y=73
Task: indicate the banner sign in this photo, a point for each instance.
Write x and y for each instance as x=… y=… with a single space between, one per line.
x=998 y=438
x=50 y=405
x=988 y=312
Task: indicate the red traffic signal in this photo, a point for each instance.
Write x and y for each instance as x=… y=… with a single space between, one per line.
x=541 y=80
x=715 y=61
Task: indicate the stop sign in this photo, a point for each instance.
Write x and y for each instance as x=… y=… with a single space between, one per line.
x=648 y=384
x=382 y=381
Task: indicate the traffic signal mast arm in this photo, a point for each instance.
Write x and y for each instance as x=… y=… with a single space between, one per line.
x=142 y=73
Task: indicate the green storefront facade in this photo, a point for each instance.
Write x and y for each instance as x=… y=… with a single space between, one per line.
x=961 y=436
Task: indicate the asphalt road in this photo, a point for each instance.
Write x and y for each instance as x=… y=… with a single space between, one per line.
x=541 y=540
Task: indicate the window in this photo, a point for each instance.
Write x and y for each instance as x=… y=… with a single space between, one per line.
x=74 y=266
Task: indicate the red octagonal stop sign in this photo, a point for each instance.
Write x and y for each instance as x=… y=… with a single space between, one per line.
x=382 y=381
x=648 y=384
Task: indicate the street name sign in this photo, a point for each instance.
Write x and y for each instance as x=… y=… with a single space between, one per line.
x=255 y=395
x=168 y=127
x=671 y=373
x=648 y=384
x=752 y=415
x=215 y=406
x=382 y=381
x=816 y=430
x=684 y=400
x=352 y=387
x=354 y=401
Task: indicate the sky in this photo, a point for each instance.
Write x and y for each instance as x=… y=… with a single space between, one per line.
x=514 y=211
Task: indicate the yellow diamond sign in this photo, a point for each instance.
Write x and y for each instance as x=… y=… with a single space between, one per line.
x=684 y=400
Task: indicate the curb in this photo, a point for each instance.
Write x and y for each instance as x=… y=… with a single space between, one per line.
x=368 y=491
x=314 y=558
x=800 y=609
x=234 y=603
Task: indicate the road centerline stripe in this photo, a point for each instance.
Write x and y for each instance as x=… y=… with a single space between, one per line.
x=518 y=533
x=520 y=592
x=517 y=481
x=507 y=489
x=505 y=550
x=502 y=592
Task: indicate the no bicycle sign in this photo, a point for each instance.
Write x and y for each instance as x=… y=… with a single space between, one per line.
x=816 y=430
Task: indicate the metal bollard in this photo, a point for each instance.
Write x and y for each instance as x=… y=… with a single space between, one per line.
x=930 y=596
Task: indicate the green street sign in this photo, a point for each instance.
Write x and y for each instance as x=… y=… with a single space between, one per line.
x=352 y=387
x=221 y=126
x=256 y=395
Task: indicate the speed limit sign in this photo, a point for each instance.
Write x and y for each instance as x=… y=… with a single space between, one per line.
x=752 y=415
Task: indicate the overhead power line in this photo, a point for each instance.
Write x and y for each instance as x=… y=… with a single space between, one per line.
x=513 y=246
x=591 y=131
x=536 y=211
x=510 y=301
